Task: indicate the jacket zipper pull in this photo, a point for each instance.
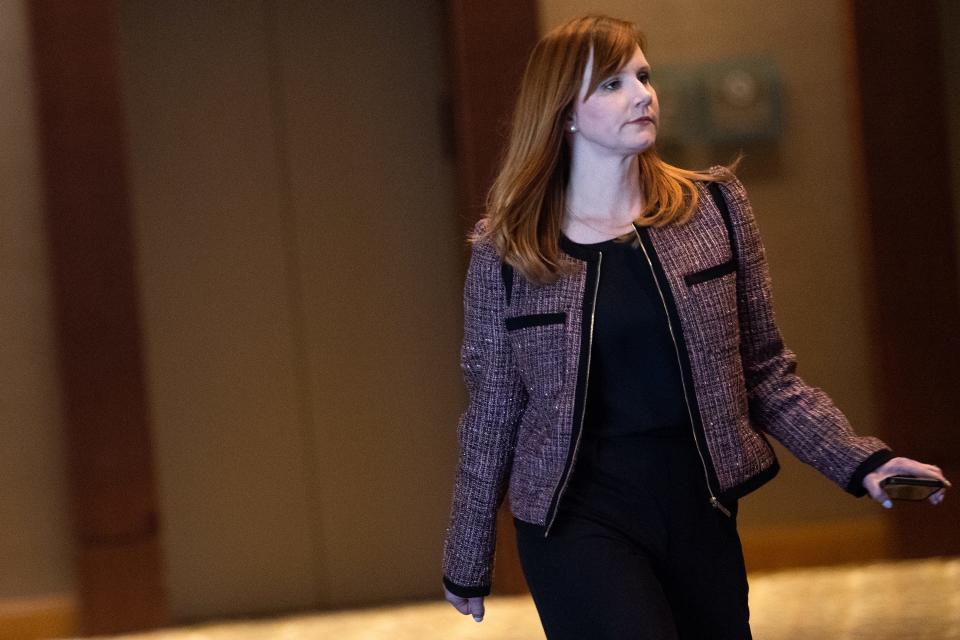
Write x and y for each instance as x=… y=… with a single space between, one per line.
x=719 y=507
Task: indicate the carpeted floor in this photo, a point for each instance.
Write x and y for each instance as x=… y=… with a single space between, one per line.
x=909 y=600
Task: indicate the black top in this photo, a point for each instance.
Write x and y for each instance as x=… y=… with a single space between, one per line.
x=635 y=386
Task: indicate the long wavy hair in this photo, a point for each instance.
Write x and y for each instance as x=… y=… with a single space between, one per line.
x=525 y=204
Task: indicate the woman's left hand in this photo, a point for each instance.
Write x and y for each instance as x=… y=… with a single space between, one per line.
x=902 y=467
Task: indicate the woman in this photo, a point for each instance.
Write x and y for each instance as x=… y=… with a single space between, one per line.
x=624 y=366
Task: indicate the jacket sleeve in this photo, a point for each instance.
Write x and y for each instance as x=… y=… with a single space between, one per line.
x=802 y=417
x=486 y=431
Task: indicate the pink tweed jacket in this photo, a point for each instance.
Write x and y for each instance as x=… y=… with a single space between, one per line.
x=526 y=359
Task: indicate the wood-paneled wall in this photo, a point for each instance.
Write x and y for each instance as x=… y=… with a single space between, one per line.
x=908 y=193
x=106 y=414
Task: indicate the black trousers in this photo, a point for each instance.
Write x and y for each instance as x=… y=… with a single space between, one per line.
x=636 y=550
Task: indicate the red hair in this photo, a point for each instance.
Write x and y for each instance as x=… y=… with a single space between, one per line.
x=525 y=205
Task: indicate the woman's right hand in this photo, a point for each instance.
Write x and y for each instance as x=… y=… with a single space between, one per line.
x=466 y=606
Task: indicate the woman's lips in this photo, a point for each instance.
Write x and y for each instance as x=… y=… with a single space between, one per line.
x=643 y=120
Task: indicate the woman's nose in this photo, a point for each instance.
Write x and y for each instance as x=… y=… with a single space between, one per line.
x=643 y=95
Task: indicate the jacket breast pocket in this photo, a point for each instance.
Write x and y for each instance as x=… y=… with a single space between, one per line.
x=534 y=320
x=710 y=273
x=712 y=294
x=539 y=345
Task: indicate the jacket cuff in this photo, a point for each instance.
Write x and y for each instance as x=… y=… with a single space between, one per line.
x=466 y=592
x=874 y=460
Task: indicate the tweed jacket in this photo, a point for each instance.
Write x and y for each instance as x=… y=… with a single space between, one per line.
x=526 y=357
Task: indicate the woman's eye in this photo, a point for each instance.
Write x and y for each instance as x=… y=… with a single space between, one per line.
x=612 y=85
x=644 y=77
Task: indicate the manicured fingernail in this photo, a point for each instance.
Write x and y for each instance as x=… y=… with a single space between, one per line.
x=478 y=618
x=887 y=504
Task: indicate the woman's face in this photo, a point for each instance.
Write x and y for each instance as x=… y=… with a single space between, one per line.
x=621 y=116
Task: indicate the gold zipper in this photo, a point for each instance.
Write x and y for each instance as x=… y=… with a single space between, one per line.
x=714 y=502
x=583 y=412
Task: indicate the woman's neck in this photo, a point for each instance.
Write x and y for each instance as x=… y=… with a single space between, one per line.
x=602 y=199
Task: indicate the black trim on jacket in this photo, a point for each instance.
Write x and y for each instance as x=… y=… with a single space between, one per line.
x=579 y=400
x=874 y=460
x=752 y=483
x=711 y=272
x=686 y=368
x=466 y=592
x=534 y=320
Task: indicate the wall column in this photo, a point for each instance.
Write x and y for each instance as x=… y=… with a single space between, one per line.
x=95 y=290
x=488 y=48
x=907 y=192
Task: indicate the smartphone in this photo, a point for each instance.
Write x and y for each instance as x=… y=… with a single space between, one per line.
x=910 y=487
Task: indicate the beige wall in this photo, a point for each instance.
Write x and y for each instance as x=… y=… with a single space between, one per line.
x=35 y=547
x=380 y=252
x=804 y=196
x=219 y=340
x=300 y=263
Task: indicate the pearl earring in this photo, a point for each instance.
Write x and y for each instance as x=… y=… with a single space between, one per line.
x=573 y=128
